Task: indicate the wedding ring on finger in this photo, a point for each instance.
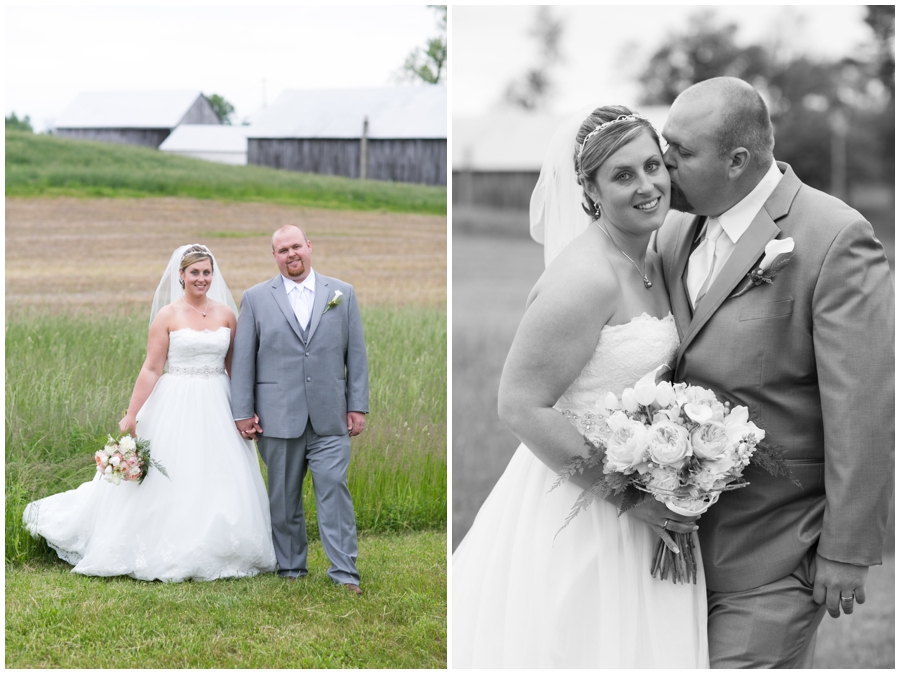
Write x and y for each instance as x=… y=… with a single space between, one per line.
x=665 y=524
x=850 y=598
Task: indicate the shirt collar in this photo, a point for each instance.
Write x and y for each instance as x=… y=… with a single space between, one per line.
x=736 y=220
x=308 y=282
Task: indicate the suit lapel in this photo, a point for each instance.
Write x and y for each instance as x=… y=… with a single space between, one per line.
x=322 y=298
x=681 y=305
x=281 y=300
x=748 y=251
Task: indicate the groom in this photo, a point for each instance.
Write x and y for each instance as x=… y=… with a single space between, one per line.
x=811 y=354
x=300 y=381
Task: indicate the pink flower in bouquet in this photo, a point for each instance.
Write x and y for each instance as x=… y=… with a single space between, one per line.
x=668 y=444
x=626 y=446
x=710 y=440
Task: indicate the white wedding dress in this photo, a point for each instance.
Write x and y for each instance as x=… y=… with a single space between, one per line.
x=525 y=597
x=210 y=520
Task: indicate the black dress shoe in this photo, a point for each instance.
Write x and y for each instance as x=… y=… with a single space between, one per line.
x=353 y=587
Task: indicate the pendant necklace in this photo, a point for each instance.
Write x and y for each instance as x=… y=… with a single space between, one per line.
x=207 y=305
x=647 y=282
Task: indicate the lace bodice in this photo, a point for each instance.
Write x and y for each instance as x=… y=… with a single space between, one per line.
x=624 y=354
x=198 y=353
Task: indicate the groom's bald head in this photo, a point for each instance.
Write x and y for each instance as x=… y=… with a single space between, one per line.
x=742 y=117
x=283 y=230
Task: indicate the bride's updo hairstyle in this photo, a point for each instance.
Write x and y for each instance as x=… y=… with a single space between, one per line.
x=604 y=132
x=194 y=254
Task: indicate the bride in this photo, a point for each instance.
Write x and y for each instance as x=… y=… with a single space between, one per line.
x=524 y=593
x=210 y=518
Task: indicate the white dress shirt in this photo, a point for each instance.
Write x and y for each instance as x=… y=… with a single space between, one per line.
x=736 y=220
x=302 y=297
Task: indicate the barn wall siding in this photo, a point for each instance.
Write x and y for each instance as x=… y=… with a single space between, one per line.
x=497 y=189
x=412 y=161
x=201 y=112
x=145 y=137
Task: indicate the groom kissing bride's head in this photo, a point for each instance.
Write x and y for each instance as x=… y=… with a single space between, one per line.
x=720 y=143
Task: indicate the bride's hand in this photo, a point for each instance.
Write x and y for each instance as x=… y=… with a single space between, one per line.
x=128 y=425
x=663 y=521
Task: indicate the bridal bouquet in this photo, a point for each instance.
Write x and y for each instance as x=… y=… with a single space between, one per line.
x=126 y=459
x=677 y=443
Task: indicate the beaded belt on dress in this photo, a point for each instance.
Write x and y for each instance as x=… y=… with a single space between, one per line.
x=208 y=371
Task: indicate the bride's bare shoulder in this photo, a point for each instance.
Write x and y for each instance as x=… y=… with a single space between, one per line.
x=580 y=274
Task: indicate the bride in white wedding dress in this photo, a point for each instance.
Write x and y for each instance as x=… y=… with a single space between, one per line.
x=526 y=594
x=210 y=518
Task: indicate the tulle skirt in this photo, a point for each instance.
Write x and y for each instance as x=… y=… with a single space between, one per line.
x=526 y=595
x=209 y=519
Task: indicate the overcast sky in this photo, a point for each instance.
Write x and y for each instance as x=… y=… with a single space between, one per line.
x=604 y=47
x=54 y=53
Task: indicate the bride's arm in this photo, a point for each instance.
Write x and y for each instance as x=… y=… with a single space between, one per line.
x=232 y=324
x=556 y=338
x=151 y=371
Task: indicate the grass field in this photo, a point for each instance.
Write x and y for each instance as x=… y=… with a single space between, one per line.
x=80 y=274
x=493 y=274
x=44 y=165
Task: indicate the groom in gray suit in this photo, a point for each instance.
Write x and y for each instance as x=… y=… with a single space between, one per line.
x=300 y=383
x=810 y=352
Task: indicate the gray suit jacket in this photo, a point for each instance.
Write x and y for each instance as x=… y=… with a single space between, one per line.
x=812 y=357
x=287 y=380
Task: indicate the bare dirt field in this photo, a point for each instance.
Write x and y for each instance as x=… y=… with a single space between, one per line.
x=85 y=253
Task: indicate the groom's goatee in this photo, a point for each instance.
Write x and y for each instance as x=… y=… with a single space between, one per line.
x=679 y=200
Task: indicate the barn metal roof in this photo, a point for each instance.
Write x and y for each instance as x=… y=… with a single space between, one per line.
x=515 y=140
x=393 y=112
x=206 y=138
x=127 y=110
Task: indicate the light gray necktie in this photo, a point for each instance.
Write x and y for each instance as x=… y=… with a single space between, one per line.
x=300 y=304
x=702 y=262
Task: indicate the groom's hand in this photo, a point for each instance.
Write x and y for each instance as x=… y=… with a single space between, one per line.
x=838 y=579
x=356 y=423
x=248 y=428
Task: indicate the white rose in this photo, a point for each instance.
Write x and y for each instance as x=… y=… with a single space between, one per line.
x=710 y=440
x=664 y=479
x=115 y=459
x=668 y=444
x=127 y=444
x=626 y=444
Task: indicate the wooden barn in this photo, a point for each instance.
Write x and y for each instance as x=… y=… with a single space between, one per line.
x=133 y=117
x=497 y=157
x=397 y=134
x=212 y=142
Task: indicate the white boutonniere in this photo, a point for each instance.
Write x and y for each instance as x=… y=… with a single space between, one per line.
x=334 y=301
x=779 y=253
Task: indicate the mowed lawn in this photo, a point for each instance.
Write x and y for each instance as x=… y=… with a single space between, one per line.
x=493 y=274
x=80 y=275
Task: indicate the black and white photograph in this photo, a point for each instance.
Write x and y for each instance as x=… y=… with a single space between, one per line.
x=672 y=337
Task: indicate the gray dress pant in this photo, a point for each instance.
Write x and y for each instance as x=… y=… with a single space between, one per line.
x=768 y=627
x=327 y=457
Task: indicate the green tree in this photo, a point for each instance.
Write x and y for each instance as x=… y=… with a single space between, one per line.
x=428 y=65
x=24 y=124
x=532 y=89
x=223 y=108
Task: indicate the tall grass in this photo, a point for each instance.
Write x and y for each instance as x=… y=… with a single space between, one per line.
x=42 y=165
x=68 y=379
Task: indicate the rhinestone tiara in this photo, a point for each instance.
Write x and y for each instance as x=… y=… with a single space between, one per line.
x=598 y=129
